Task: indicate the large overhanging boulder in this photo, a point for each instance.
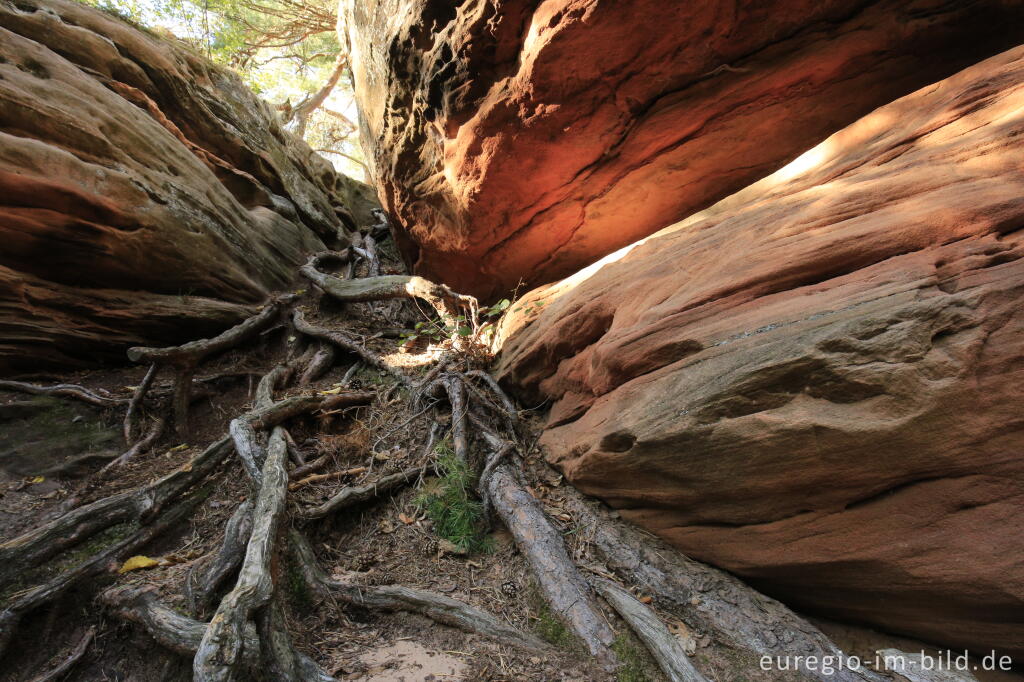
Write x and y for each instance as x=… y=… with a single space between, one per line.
x=816 y=383
x=520 y=140
x=146 y=195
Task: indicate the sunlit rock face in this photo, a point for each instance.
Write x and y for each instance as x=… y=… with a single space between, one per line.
x=520 y=140
x=816 y=383
x=146 y=196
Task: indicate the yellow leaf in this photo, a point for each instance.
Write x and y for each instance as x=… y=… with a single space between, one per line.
x=37 y=479
x=178 y=448
x=136 y=562
x=331 y=391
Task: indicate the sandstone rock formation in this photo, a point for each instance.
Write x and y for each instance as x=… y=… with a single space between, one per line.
x=816 y=383
x=145 y=194
x=516 y=139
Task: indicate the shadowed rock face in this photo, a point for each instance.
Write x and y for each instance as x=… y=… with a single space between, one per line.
x=145 y=195
x=520 y=140
x=816 y=383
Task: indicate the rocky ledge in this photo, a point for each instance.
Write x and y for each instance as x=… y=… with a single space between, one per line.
x=146 y=195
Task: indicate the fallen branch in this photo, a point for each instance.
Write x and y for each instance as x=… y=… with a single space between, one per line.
x=62 y=391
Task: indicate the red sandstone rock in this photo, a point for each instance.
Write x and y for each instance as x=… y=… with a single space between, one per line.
x=145 y=194
x=817 y=383
x=517 y=140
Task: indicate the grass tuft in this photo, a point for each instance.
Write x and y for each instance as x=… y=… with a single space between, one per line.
x=552 y=630
x=636 y=664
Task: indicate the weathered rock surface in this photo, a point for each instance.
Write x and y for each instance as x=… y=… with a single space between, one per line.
x=817 y=382
x=145 y=194
x=516 y=139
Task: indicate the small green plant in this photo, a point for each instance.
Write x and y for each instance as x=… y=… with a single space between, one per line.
x=463 y=326
x=436 y=332
x=457 y=516
x=496 y=309
x=635 y=662
x=531 y=308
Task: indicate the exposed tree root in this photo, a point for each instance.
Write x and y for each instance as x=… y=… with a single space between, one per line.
x=171 y=629
x=98 y=563
x=181 y=634
x=62 y=391
x=303 y=470
x=136 y=402
x=318 y=365
x=193 y=352
x=433 y=605
x=142 y=445
x=710 y=601
x=317 y=478
x=662 y=644
x=351 y=496
x=248 y=636
x=564 y=588
x=448 y=304
x=345 y=343
x=220 y=653
x=74 y=657
x=186 y=357
x=207 y=576
x=29 y=549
